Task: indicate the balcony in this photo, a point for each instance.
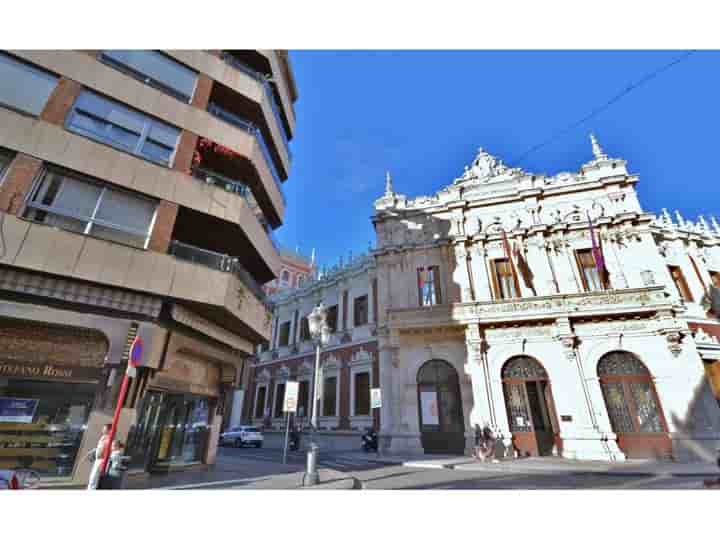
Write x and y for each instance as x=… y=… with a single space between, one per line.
x=598 y=304
x=235 y=120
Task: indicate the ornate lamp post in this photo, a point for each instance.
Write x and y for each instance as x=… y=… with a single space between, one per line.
x=320 y=334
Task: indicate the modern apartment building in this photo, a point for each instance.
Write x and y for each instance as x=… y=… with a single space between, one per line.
x=138 y=191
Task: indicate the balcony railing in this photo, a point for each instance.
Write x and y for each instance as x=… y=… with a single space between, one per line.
x=235 y=120
x=262 y=79
x=218 y=261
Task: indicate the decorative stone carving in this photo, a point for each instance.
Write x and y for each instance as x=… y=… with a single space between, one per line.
x=516 y=333
x=702 y=337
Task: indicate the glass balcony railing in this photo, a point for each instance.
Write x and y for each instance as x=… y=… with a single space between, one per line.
x=218 y=261
x=262 y=79
x=235 y=120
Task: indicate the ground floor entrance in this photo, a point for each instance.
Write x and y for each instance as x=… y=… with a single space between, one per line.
x=171 y=430
x=442 y=426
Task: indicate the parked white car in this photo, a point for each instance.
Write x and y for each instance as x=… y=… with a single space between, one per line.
x=241 y=436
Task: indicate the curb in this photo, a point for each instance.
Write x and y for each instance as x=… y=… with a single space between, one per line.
x=340 y=483
x=527 y=470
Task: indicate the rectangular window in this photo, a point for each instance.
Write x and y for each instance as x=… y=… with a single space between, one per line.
x=304 y=329
x=155 y=69
x=284 y=334
x=77 y=203
x=5 y=160
x=591 y=278
x=360 y=311
x=260 y=402
x=332 y=316
x=24 y=87
x=362 y=394
x=329 y=396
x=304 y=399
x=680 y=283
x=279 y=399
x=429 y=286
x=112 y=123
x=506 y=286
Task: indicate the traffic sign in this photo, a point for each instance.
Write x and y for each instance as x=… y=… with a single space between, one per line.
x=136 y=352
x=291 y=396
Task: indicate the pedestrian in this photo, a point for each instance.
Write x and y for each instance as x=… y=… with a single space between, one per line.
x=96 y=455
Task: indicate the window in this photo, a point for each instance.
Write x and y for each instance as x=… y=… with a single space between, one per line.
x=429 y=286
x=504 y=282
x=300 y=280
x=591 y=278
x=332 y=316
x=260 y=402
x=24 y=87
x=286 y=278
x=680 y=283
x=303 y=398
x=5 y=160
x=80 y=204
x=304 y=329
x=284 y=334
x=360 y=311
x=279 y=398
x=110 y=122
x=329 y=396
x=714 y=276
x=155 y=69
x=362 y=394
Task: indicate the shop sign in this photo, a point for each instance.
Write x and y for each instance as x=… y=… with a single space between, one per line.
x=48 y=371
x=291 y=396
x=375 y=399
x=428 y=403
x=17 y=410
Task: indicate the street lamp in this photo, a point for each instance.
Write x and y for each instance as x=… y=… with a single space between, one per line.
x=320 y=334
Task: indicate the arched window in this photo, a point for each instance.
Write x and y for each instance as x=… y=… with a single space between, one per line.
x=523 y=367
x=286 y=277
x=300 y=280
x=440 y=408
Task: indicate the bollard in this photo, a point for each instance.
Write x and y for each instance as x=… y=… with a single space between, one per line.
x=311 y=476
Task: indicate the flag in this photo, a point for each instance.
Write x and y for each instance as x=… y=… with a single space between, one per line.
x=508 y=254
x=596 y=251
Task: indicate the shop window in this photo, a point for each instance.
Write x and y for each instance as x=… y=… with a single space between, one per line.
x=589 y=274
x=504 y=281
x=155 y=69
x=360 y=311
x=80 y=204
x=362 y=394
x=279 y=398
x=24 y=87
x=680 y=283
x=329 y=398
x=110 y=122
x=304 y=329
x=332 y=318
x=429 y=286
x=260 y=402
x=284 y=334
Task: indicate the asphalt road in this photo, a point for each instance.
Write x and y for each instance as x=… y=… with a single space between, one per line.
x=378 y=475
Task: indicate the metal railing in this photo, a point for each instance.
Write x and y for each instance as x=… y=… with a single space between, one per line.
x=269 y=92
x=237 y=121
x=218 y=261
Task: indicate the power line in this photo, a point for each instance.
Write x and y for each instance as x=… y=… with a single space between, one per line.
x=603 y=107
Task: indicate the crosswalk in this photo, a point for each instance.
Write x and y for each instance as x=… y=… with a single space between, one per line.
x=331 y=460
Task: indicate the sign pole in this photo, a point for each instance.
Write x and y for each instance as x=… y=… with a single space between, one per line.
x=287 y=432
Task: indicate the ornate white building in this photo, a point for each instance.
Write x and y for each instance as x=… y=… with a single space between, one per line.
x=559 y=357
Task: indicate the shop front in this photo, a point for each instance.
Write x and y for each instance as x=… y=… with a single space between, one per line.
x=49 y=380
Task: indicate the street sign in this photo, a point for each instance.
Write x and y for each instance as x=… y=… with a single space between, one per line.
x=291 y=396
x=136 y=352
x=375 y=398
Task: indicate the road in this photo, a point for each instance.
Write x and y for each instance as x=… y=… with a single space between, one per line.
x=252 y=462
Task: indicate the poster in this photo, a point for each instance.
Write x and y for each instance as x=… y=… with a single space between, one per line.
x=429 y=407
x=375 y=399
x=19 y=410
x=291 y=396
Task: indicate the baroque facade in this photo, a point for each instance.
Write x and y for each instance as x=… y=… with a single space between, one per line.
x=560 y=358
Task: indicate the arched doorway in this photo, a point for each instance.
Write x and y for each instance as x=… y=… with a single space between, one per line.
x=442 y=427
x=633 y=406
x=530 y=407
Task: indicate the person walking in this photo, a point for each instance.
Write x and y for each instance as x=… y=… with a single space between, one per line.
x=96 y=455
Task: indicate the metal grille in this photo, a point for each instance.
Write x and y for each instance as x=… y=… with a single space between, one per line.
x=621 y=363
x=517 y=408
x=523 y=367
x=617 y=408
x=647 y=407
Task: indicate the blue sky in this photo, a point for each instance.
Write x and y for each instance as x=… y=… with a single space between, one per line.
x=423 y=114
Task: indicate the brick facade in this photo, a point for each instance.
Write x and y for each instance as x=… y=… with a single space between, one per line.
x=185 y=151
x=18 y=182
x=202 y=92
x=61 y=101
x=164 y=224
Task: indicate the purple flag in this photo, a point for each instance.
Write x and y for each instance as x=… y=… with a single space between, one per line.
x=596 y=251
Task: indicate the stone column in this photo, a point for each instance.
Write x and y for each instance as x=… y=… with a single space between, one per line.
x=537 y=260
x=483 y=289
x=460 y=274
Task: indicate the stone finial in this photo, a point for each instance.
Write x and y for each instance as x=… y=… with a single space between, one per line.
x=702 y=226
x=596 y=148
x=666 y=218
x=680 y=221
x=715 y=224
x=388 y=185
